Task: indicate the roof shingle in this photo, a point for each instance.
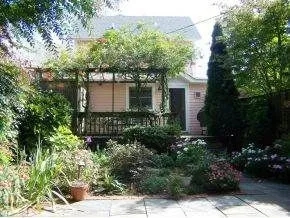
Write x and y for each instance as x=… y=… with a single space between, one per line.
x=165 y=24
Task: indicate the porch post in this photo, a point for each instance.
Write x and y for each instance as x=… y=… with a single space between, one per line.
x=113 y=93
x=87 y=108
x=164 y=87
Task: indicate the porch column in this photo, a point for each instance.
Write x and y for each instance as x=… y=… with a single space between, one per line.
x=113 y=92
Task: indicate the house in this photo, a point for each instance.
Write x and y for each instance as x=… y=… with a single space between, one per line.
x=186 y=92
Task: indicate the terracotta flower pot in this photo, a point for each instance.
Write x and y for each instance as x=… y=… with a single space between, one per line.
x=79 y=191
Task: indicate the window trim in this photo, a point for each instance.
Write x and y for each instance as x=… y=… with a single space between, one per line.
x=152 y=85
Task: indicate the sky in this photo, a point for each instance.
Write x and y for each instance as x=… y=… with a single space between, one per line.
x=196 y=10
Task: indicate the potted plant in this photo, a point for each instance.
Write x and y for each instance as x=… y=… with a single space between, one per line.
x=79 y=189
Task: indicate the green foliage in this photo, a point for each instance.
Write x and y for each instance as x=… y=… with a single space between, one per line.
x=21 y=19
x=259 y=117
x=192 y=153
x=175 y=186
x=284 y=143
x=162 y=161
x=154 y=184
x=158 y=138
x=69 y=161
x=12 y=98
x=11 y=189
x=127 y=161
x=6 y=155
x=63 y=139
x=270 y=162
x=199 y=178
x=45 y=112
x=130 y=48
x=44 y=170
x=259 y=46
x=105 y=182
x=221 y=102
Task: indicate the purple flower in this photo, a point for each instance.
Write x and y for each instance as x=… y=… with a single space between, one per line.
x=88 y=139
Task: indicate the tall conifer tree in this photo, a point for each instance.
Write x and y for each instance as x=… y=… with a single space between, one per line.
x=221 y=104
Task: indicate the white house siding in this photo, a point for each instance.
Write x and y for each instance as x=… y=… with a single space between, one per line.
x=195 y=104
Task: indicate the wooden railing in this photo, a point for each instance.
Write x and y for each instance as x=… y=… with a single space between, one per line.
x=114 y=123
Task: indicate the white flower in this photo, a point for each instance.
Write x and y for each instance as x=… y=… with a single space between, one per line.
x=277 y=146
x=185 y=149
x=273 y=156
x=276 y=166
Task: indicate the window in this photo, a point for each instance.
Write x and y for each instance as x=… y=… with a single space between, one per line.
x=197 y=94
x=145 y=98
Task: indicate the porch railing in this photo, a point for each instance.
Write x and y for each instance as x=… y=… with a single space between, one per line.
x=114 y=123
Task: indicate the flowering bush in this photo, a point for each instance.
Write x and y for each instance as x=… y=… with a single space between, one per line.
x=263 y=163
x=191 y=152
x=222 y=177
x=69 y=163
x=129 y=160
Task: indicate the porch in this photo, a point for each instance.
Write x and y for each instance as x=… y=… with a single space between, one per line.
x=110 y=124
x=100 y=106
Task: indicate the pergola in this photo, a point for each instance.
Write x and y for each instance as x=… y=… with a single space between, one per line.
x=106 y=123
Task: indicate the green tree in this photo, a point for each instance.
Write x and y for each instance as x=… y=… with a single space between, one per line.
x=22 y=18
x=221 y=102
x=259 y=45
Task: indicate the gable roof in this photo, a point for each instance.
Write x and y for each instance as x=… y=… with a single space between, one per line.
x=166 y=24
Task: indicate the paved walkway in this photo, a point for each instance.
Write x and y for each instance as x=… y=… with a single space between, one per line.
x=258 y=199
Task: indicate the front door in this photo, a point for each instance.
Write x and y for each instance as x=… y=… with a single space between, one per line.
x=177 y=105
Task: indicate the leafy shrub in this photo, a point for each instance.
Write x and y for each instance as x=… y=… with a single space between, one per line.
x=175 y=186
x=162 y=160
x=283 y=144
x=12 y=98
x=199 y=178
x=154 y=184
x=259 y=117
x=222 y=177
x=70 y=161
x=63 y=139
x=105 y=182
x=155 y=137
x=191 y=153
x=44 y=112
x=127 y=161
x=154 y=181
x=12 y=183
x=5 y=154
x=265 y=163
x=250 y=153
